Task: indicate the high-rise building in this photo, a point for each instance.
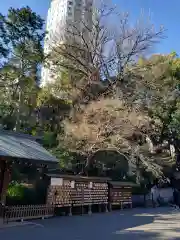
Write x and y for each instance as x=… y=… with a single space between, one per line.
x=62 y=14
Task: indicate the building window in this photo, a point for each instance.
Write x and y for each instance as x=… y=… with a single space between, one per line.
x=70 y=3
x=78 y=2
x=69 y=11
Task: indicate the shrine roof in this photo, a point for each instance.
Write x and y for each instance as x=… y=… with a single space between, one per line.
x=23 y=146
x=78 y=177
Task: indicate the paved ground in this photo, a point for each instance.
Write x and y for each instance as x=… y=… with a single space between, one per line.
x=160 y=223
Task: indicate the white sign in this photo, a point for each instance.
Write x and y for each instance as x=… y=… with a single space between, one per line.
x=56 y=181
x=90 y=185
x=72 y=184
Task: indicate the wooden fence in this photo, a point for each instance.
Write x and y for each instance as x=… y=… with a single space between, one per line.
x=15 y=213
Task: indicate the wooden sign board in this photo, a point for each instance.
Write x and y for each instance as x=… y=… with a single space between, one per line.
x=90 y=185
x=72 y=184
x=56 y=181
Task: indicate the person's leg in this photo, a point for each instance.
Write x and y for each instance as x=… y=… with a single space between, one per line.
x=153 y=200
x=178 y=202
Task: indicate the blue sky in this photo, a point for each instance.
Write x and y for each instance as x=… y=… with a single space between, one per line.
x=163 y=12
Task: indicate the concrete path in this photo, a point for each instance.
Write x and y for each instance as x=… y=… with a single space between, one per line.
x=159 y=223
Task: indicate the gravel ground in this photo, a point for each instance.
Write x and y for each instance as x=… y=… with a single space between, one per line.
x=159 y=223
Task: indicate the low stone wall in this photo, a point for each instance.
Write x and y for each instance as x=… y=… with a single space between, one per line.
x=138 y=200
x=166 y=194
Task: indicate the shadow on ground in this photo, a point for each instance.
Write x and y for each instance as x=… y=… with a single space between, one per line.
x=136 y=235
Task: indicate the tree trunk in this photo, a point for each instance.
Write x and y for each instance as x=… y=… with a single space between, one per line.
x=172 y=151
x=138 y=176
x=17 y=126
x=6 y=177
x=150 y=144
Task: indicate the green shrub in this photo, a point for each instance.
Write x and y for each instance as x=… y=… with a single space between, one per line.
x=16 y=190
x=18 y=194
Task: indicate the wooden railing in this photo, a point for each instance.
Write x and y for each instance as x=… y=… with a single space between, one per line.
x=15 y=213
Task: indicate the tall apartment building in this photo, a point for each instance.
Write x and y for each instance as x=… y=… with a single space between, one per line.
x=61 y=15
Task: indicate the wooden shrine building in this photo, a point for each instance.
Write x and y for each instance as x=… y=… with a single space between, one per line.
x=120 y=193
x=18 y=148
x=77 y=191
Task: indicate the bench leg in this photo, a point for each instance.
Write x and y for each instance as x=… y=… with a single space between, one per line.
x=70 y=211
x=106 y=208
x=82 y=210
x=110 y=207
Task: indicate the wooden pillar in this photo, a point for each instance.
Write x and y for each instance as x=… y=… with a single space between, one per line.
x=110 y=206
x=82 y=209
x=70 y=211
x=110 y=197
x=89 y=209
x=106 y=207
x=5 y=180
x=2 y=169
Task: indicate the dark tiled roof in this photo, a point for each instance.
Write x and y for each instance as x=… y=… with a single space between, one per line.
x=64 y=176
x=23 y=146
x=78 y=177
x=117 y=184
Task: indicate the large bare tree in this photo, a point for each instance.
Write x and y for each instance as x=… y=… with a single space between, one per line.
x=106 y=117
x=100 y=47
x=110 y=124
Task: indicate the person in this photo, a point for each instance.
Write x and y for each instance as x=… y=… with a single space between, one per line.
x=154 y=195
x=176 y=198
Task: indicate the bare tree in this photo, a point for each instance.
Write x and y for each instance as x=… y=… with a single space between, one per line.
x=83 y=48
x=102 y=46
x=109 y=124
x=98 y=50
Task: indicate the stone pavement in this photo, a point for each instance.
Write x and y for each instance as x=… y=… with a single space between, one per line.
x=159 y=223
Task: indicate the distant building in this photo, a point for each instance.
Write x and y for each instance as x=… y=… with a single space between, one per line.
x=61 y=15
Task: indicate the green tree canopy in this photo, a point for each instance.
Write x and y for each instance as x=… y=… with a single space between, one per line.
x=21 y=39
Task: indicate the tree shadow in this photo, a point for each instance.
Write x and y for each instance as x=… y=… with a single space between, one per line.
x=98 y=226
